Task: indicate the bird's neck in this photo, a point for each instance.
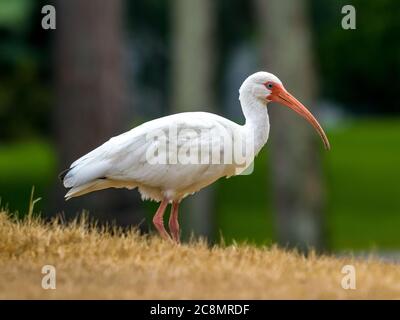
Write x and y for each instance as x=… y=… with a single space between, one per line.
x=257 y=120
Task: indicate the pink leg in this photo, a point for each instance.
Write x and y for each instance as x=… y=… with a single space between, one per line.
x=159 y=222
x=173 y=222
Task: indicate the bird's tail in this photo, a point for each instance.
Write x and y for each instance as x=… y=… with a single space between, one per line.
x=84 y=178
x=87 y=188
x=96 y=185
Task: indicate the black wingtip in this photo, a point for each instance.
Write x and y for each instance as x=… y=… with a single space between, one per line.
x=62 y=175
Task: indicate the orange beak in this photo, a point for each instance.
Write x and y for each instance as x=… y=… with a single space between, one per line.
x=279 y=94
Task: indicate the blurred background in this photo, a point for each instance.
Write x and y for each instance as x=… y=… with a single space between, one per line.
x=111 y=65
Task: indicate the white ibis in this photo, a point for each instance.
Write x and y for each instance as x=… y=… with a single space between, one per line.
x=153 y=157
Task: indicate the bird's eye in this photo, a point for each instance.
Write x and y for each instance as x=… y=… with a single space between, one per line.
x=269 y=85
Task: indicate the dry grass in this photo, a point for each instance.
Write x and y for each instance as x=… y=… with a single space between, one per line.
x=94 y=263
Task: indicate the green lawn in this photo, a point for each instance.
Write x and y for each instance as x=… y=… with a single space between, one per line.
x=362 y=173
x=22 y=166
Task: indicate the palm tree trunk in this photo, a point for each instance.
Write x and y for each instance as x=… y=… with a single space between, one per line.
x=92 y=100
x=192 y=80
x=295 y=156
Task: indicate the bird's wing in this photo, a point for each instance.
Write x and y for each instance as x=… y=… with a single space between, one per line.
x=137 y=155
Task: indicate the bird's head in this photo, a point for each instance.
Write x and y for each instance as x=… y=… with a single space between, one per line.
x=268 y=88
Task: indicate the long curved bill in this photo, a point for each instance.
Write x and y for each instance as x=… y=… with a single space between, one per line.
x=288 y=100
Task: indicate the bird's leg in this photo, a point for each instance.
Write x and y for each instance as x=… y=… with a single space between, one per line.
x=159 y=222
x=173 y=222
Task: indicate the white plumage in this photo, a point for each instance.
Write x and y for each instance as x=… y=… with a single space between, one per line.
x=122 y=162
x=132 y=159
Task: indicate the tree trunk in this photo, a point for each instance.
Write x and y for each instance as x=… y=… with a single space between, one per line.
x=92 y=100
x=295 y=157
x=192 y=80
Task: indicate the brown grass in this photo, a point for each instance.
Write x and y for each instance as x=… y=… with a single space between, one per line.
x=93 y=263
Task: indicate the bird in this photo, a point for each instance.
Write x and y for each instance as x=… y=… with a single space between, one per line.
x=161 y=157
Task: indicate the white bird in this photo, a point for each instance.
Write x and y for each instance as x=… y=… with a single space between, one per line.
x=153 y=157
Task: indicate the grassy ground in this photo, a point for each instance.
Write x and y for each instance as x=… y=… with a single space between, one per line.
x=361 y=172
x=93 y=263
